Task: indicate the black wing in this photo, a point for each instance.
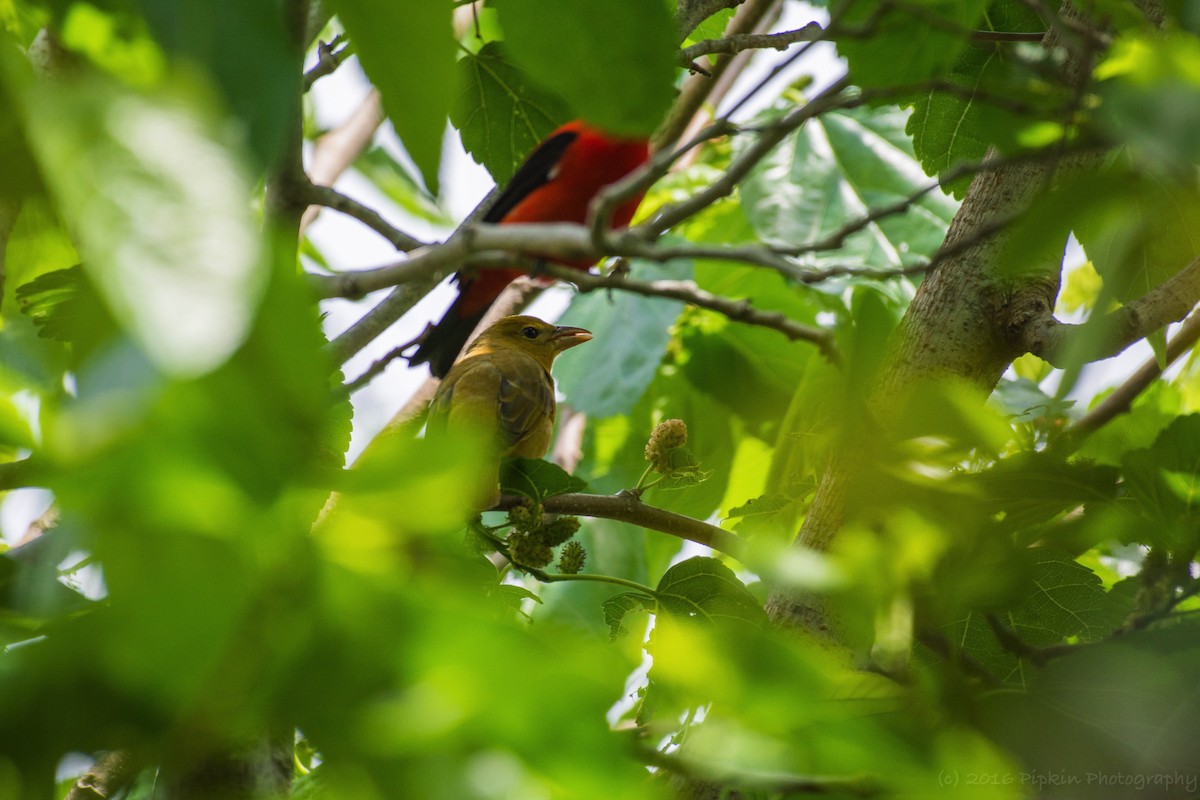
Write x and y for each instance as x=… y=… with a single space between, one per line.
x=534 y=172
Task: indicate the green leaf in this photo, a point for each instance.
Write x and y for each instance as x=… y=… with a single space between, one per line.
x=706 y=590
x=952 y=127
x=618 y=607
x=634 y=329
x=614 y=60
x=244 y=48
x=1150 y=97
x=1033 y=487
x=1128 y=708
x=407 y=50
x=1137 y=231
x=773 y=514
x=178 y=247
x=537 y=479
x=683 y=470
x=512 y=596
x=1163 y=479
x=909 y=44
x=500 y=113
x=1067 y=600
x=65 y=306
x=1152 y=412
x=834 y=171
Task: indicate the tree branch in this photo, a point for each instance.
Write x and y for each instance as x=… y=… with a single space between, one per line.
x=112 y=772
x=1063 y=344
x=329 y=58
x=732 y=45
x=698 y=88
x=625 y=507
x=1123 y=396
x=689 y=292
x=672 y=215
x=329 y=197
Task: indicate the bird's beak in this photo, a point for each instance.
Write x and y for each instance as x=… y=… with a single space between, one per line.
x=565 y=336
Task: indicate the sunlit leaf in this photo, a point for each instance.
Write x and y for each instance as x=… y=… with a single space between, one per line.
x=171 y=245
x=619 y=606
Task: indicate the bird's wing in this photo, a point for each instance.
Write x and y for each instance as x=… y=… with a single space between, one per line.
x=526 y=412
x=510 y=396
x=535 y=171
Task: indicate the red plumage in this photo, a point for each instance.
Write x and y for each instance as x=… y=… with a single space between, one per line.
x=556 y=183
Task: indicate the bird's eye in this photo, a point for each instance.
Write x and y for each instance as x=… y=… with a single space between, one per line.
x=529 y=332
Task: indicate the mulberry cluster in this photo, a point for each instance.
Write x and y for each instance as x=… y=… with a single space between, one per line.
x=534 y=537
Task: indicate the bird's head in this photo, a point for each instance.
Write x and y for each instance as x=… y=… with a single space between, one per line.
x=530 y=335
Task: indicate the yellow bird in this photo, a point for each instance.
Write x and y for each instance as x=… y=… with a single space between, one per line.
x=502 y=386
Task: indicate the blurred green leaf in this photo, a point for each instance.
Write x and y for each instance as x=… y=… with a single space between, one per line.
x=172 y=245
x=1067 y=600
x=911 y=43
x=1033 y=487
x=1149 y=92
x=1120 y=714
x=500 y=113
x=407 y=50
x=65 y=306
x=243 y=48
x=1150 y=414
x=1163 y=480
x=1138 y=232
x=613 y=60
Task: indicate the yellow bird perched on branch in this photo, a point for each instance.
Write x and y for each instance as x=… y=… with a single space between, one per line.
x=502 y=387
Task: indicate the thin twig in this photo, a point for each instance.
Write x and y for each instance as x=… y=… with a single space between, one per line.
x=732 y=45
x=329 y=58
x=1123 y=396
x=672 y=215
x=689 y=292
x=1038 y=656
x=329 y=197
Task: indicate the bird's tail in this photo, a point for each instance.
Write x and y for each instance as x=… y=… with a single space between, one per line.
x=442 y=343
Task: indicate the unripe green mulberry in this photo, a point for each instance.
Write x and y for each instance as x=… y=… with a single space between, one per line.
x=527 y=551
x=668 y=435
x=558 y=530
x=571 y=560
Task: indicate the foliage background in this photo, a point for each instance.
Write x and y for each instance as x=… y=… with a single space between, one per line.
x=1009 y=580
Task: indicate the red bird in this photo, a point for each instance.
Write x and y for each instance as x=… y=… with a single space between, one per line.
x=555 y=184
